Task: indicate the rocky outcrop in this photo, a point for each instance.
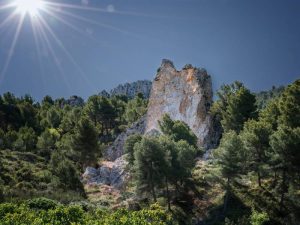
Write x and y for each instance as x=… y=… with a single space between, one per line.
x=72 y=101
x=132 y=89
x=185 y=95
x=104 y=93
x=116 y=150
x=110 y=173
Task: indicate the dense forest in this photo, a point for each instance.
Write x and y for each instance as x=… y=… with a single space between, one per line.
x=251 y=178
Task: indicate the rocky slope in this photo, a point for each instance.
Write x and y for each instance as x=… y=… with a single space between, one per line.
x=185 y=95
x=116 y=150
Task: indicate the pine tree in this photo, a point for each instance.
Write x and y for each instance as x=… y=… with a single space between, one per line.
x=286 y=144
x=241 y=107
x=177 y=130
x=129 y=147
x=289 y=105
x=149 y=163
x=85 y=141
x=256 y=135
x=230 y=156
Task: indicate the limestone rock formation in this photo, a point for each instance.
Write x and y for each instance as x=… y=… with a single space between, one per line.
x=73 y=101
x=110 y=173
x=116 y=150
x=185 y=95
x=104 y=93
x=132 y=89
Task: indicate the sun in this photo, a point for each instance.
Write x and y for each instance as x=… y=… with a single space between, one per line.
x=32 y=7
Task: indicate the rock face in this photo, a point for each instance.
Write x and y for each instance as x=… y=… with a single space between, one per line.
x=110 y=173
x=132 y=89
x=185 y=95
x=116 y=150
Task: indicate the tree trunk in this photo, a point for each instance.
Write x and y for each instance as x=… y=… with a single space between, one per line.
x=168 y=194
x=283 y=189
x=258 y=178
x=152 y=184
x=102 y=129
x=259 y=154
x=176 y=189
x=226 y=198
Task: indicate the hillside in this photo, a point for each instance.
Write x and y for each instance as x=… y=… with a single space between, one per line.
x=119 y=160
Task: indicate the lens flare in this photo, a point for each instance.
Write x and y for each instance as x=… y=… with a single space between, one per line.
x=32 y=7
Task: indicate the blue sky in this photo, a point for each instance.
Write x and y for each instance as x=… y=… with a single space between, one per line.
x=108 y=42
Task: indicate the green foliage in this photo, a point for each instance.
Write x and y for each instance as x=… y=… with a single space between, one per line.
x=71 y=117
x=240 y=108
x=135 y=109
x=101 y=111
x=48 y=139
x=41 y=203
x=263 y=98
x=256 y=137
x=230 y=155
x=53 y=117
x=149 y=161
x=286 y=143
x=258 y=218
x=129 y=147
x=289 y=105
x=177 y=130
x=236 y=104
x=270 y=114
x=85 y=141
x=26 y=140
x=186 y=154
x=66 y=172
x=68 y=215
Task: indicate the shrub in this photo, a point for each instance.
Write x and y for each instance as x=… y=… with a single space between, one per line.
x=258 y=218
x=41 y=203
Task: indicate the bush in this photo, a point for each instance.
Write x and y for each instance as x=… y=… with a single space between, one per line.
x=259 y=218
x=68 y=215
x=41 y=203
x=7 y=208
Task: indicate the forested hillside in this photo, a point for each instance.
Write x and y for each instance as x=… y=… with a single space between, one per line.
x=251 y=178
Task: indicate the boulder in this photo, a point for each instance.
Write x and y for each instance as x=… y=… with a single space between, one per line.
x=114 y=174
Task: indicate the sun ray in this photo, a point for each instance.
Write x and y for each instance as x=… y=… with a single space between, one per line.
x=7 y=6
x=53 y=54
x=67 y=53
x=36 y=37
x=72 y=26
x=72 y=6
x=46 y=38
x=12 y=47
x=92 y=21
x=8 y=19
x=94 y=9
